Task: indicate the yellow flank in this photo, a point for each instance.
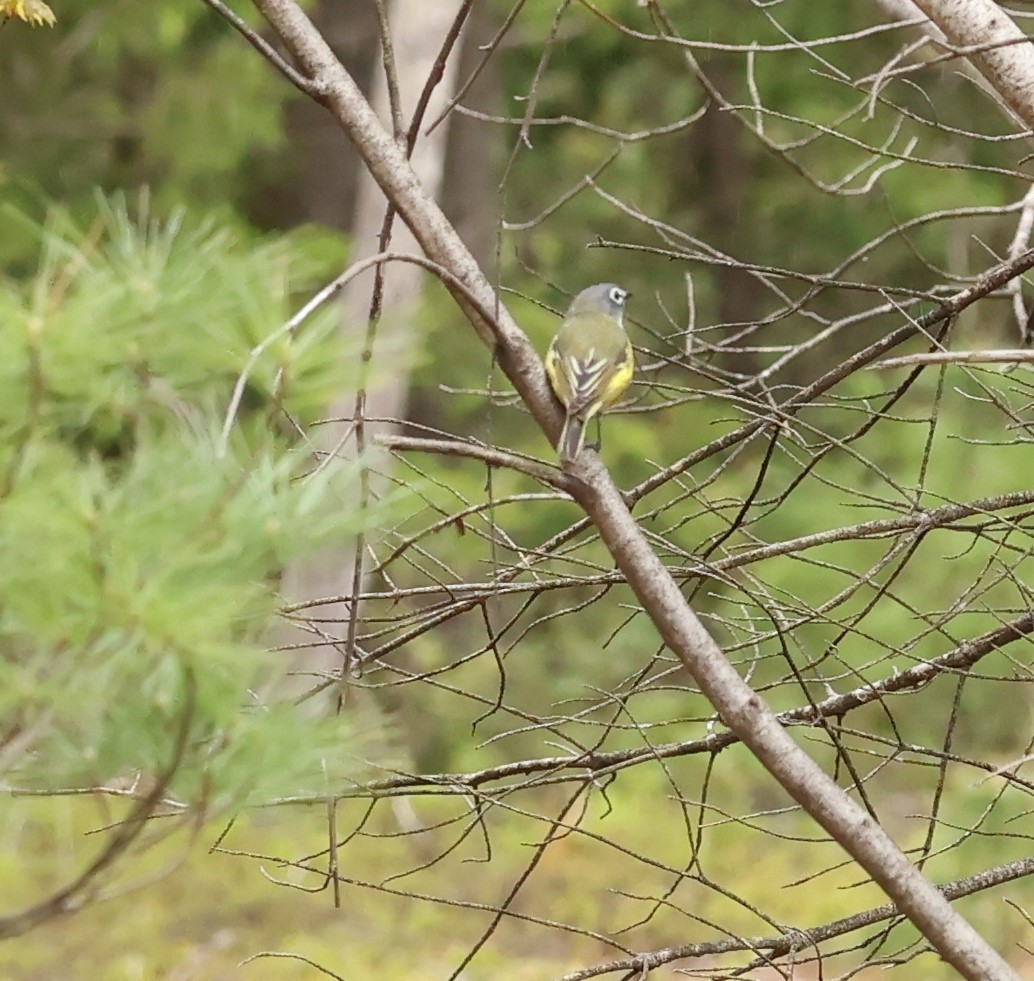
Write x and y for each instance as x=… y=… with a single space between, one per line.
x=590 y=362
x=619 y=381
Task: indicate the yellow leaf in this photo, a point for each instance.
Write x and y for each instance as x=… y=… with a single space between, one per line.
x=32 y=11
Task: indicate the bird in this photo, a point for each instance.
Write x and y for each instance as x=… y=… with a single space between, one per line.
x=590 y=361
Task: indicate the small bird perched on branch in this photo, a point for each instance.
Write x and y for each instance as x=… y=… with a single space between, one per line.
x=590 y=361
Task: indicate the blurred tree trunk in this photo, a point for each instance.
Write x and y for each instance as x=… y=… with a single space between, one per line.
x=324 y=166
x=418 y=30
x=724 y=171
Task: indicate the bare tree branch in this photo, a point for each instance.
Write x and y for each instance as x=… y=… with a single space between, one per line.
x=83 y=887
x=797 y=939
x=741 y=708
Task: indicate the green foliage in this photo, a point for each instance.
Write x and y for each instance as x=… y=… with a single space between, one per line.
x=153 y=315
x=141 y=559
x=124 y=96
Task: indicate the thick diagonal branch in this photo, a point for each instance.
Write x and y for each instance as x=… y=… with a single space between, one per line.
x=983 y=32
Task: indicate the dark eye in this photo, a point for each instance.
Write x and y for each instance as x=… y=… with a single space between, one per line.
x=618 y=295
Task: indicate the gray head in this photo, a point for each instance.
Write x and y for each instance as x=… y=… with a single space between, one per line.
x=608 y=298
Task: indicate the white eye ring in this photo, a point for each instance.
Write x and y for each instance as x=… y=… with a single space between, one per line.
x=618 y=295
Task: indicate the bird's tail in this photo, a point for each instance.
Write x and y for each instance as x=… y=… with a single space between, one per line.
x=572 y=438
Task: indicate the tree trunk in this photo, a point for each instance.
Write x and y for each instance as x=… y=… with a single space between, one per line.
x=418 y=30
